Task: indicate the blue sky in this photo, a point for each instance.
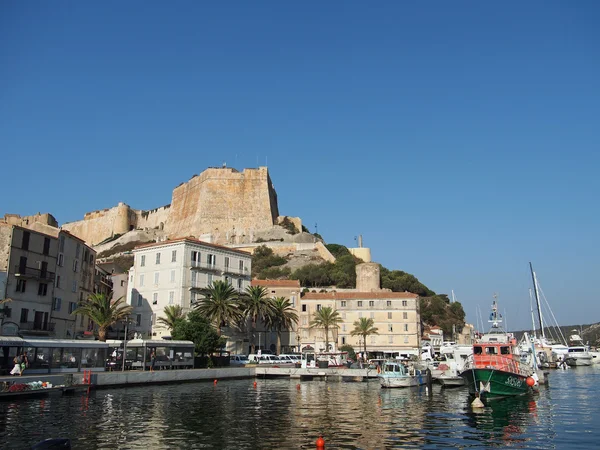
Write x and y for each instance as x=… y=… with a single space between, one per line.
x=460 y=139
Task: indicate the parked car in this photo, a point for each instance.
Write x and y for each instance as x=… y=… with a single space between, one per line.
x=238 y=360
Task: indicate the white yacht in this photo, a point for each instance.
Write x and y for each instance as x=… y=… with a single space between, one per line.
x=578 y=353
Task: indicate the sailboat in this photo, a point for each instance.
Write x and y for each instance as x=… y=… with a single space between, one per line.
x=496 y=369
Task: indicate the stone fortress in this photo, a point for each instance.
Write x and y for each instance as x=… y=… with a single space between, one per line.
x=221 y=205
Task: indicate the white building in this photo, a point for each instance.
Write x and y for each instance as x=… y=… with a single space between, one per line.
x=173 y=272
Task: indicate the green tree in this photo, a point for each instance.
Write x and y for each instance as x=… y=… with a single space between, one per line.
x=326 y=318
x=172 y=313
x=282 y=316
x=264 y=258
x=348 y=348
x=219 y=304
x=364 y=327
x=198 y=329
x=103 y=311
x=255 y=305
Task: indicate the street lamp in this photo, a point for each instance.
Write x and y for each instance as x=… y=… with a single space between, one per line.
x=298 y=339
x=125 y=344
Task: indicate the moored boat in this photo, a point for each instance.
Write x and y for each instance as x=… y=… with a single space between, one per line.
x=578 y=353
x=396 y=375
x=496 y=369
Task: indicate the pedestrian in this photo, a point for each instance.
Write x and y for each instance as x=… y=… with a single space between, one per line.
x=17 y=369
x=24 y=363
x=152 y=360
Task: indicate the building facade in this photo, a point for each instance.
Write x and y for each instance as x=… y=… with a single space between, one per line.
x=396 y=315
x=174 y=272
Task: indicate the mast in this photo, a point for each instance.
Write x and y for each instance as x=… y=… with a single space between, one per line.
x=532 y=318
x=537 y=299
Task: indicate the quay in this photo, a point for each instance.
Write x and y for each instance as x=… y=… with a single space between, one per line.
x=103 y=380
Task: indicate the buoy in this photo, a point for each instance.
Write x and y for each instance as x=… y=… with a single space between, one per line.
x=255 y=384
x=298 y=386
x=320 y=443
x=477 y=403
x=215 y=382
x=530 y=381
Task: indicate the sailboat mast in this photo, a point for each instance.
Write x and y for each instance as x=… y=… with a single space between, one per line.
x=532 y=318
x=537 y=299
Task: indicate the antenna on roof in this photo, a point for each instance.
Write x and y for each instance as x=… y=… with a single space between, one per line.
x=224 y=164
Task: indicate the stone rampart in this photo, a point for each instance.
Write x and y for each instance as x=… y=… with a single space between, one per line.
x=153 y=219
x=24 y=221
x=98 y=226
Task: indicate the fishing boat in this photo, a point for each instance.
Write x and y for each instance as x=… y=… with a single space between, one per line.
x=394 y=374
x=496 y=369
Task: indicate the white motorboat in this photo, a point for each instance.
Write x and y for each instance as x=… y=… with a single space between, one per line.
x=397 y=375
x=451 y=380
x=578 y=353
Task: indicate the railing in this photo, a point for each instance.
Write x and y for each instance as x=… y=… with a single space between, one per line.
x=220 y=268
x=34 y=273
x=35 y=326
x=498 y=362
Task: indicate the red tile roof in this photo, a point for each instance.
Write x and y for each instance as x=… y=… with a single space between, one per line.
x=192 y=241
x=356 y=295
x=277 y=283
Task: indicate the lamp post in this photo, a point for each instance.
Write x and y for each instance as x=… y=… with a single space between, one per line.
x=298 y=339
x=125 y=344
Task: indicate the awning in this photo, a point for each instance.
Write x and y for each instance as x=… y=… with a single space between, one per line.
x=10 y=341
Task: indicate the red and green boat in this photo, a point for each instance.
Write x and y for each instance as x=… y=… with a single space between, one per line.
x=496 y=369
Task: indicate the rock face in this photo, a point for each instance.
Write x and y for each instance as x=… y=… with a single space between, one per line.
x=221 y=205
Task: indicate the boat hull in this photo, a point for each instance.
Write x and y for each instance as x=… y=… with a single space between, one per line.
x=495 y=383
x=450 y=381
x=579 y=361
x=406 y=381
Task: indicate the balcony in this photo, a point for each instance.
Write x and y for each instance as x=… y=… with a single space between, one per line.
x=30 y=272
x=37 y=326
x=221 y=269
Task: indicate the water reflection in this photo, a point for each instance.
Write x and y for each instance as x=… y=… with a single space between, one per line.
x=278 y=414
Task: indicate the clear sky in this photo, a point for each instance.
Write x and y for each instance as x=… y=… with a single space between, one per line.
x=461 y=139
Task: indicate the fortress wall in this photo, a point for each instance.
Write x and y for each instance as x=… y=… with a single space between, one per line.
x=100 y=225
x=224 y=202
x=155 y=218
x=15 y=219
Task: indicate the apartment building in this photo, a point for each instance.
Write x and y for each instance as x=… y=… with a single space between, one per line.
x=73 y=284
x=266 y=339
x=28 y=265
x=395 y=315
x=173 y=273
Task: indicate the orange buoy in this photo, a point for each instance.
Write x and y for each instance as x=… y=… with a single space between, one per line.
x=255 y=384
x=320 y=443
x=530 y=381
x=215 y=382
x=298 y=386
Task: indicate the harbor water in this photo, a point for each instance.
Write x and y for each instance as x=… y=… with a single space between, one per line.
x=289 y=414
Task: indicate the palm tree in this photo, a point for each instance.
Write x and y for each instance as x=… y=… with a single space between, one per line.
x=104 y=312
x=282 y=317
x=220 y=304
x=326 y=318
x=364 y=327
x=173 y=313
x=256 y=305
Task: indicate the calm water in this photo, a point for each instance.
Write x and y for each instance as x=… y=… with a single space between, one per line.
x=278 y=415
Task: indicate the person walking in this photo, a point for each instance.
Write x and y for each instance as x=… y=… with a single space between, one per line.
x=152 y=360
x=17 y=369
x=24 y=363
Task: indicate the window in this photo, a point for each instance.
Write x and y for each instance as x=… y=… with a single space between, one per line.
x=25 y=241
x=209 y=278
x=140 y=300
x=122 y=283
x=343 y=303
x=344 y=315
x=227 y=262
x=171 y=297
x=390 y=327
x=504 y=351
x=61 y=259
x=405 y=315
x=406 y=339
x=143 y=261
x=343 y=340
x=158 y=258
x=56 y=303
x=211 y=260
x=372 y=315
x=228 y=280
x=74 y=286
x=303 y=308
x=172 y=276
x=155 y=298
x=344 y=328
x=61 y=244
x=21 y=284
x=390 y=316
x=241 y=266
x=72 y=307
x=138 y=319
x=318 y=307
x=405 y=327
x=389 y=303
x=174 y=256
x=75 y=265
x=359 y=315
x=24 y=313
x=192 y=297
x=371 y=303
x=46 y=249
x=404 y=302
x=194 y=276
x=239 y=284
x=194 y=257
x=293 y=298
x=58 y=281
x=390 y=339
x=156 y=277
x=304 y=321
x=77 y=250
x=141 y=279
x=42 y=289
x=360 y=303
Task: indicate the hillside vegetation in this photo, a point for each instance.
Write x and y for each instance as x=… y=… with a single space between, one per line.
x=435 y=309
